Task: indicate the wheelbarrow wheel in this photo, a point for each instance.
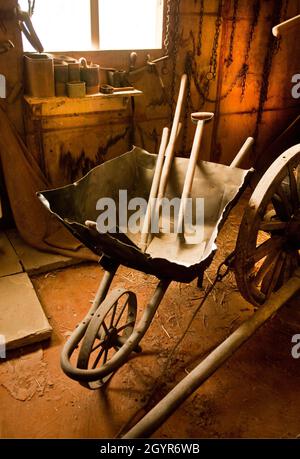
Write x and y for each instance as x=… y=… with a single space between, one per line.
x=109 y=329
x=268 y=244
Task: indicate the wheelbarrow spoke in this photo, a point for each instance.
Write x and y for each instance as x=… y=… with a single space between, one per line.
x=121 y=313
x=98 y=358
x=113 y=315
x=125 y=326
x=97 y=346
x=105 y=327
x=105 y=355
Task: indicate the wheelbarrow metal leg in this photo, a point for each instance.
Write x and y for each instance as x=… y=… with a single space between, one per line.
x=80 y=330
x=163 y=410
x=122 y=355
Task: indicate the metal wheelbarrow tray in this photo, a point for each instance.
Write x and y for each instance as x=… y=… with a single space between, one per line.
x=220 y=187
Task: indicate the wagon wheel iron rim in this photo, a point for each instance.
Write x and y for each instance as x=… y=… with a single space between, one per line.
x=109 y=329
x=268 y=243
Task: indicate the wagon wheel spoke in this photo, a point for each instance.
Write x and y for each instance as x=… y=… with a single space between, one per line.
x=275 y=225
x=266 y=248
x=271 y=279
x=294 y=261
x=293 y=188
x=281 y=203
x=286 y=269
x=265 y=267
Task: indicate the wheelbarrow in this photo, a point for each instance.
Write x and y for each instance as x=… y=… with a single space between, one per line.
x=265 y=259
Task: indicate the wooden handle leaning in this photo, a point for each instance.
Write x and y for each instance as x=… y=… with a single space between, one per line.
x=173 y=137
x=242 y=153
x=154 y=188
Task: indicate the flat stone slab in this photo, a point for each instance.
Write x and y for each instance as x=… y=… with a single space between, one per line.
x=9 y=261
x=34 y=261
x=22 y=319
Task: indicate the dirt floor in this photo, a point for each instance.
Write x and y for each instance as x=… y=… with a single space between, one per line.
x=255 y=394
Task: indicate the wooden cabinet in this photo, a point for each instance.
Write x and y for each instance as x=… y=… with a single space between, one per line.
x=70 y=136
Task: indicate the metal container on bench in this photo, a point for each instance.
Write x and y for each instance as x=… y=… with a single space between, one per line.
x=39 y=75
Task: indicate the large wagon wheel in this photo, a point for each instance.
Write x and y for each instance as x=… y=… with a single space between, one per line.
x=108 y=330
x=268 y=244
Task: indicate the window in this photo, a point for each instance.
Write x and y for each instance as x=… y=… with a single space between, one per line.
x=83 y=25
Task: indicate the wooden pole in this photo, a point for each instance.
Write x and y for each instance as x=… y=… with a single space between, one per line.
x=163 y=410
x=154 y=188
x=200 y=118
x=173 y=136
x=169 y=154
x=242 y=153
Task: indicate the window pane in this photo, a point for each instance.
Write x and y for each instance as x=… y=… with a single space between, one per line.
x=130 y=24
x=61 y=25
